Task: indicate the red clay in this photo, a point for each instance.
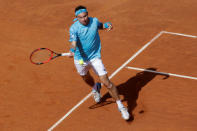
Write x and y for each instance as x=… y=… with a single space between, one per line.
x=35 y=97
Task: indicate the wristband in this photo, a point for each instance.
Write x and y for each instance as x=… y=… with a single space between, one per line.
x=106 y=24
x=72 y=50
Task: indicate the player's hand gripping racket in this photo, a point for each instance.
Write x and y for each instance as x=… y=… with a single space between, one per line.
x=44 y=55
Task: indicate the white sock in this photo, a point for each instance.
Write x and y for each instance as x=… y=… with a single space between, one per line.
x=119 y=103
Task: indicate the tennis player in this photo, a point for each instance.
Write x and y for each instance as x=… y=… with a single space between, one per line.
x=86 y=49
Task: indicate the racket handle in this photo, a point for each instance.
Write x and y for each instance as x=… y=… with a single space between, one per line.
x=65 y=54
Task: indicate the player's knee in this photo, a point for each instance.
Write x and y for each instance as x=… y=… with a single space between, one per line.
x=109 y=85
x=106 y=82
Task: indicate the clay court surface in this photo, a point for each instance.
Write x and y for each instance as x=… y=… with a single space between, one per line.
x=34 y=98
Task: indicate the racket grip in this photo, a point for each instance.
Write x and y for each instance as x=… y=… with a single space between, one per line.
x=65 y=54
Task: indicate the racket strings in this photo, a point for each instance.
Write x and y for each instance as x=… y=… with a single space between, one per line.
x=41 y=56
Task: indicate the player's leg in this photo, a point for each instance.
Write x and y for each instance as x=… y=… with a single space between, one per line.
x=99 y=69
x=88 y=79
x=83 y=70
x=114 y=93
x=110 y=86
x=102 y=73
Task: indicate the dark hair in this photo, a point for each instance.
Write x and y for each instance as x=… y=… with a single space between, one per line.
x=79 y=7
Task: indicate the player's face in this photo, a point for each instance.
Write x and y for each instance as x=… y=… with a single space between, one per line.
x=83 y=18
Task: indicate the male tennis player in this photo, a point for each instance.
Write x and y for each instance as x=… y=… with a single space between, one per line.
x=86 y=49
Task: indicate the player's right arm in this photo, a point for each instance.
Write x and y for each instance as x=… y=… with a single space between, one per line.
x=73 y=41
x=73 y=48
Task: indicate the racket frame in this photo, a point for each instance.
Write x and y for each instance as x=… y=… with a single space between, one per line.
x=50 y=58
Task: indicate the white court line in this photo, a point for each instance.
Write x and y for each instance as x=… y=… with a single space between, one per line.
x=163 y=73
x=112 y=75
x=186 y=35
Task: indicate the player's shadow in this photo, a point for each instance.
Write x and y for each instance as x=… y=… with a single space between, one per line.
x=130 y=90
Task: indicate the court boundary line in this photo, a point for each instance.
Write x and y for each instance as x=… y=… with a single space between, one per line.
x=180 y=34
x=163 y=73
x=112 y=75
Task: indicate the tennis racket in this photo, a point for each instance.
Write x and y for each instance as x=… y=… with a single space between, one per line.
x=44 y=55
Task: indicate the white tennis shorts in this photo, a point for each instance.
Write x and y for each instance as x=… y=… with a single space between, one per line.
x=96 y=64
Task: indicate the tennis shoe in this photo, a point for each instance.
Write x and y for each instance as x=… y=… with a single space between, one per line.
x=96 y=92
x=124 y=113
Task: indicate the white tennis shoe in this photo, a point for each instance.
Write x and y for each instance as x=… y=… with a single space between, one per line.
x=96 y=92
x=124 y=113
